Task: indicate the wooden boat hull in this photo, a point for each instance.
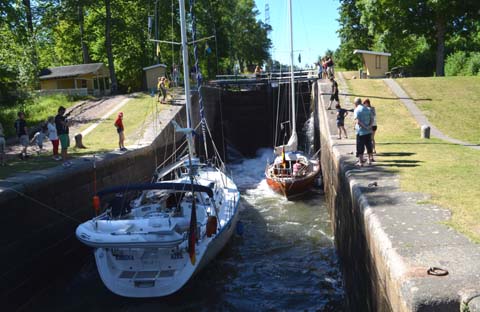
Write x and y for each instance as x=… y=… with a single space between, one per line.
x=291 y=187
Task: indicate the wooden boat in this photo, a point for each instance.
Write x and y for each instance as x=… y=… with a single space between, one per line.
x=292 y=173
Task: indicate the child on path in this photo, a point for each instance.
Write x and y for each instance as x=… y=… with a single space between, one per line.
x=2 y=146
x=22 y=133
x=162 y=90
x=53 y=137
x=341 y=114
x=39 y=137
x=120 y=130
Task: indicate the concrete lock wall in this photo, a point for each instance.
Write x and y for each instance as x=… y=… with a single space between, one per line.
x=39 y=244
x=387 y=241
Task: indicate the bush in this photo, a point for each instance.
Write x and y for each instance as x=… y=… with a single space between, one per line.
x=472 y=67
x=37 y=110
x=455 y=64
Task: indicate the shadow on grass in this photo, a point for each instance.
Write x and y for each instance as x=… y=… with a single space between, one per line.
x=29 y=165
x=384 y=97
x=400 y=154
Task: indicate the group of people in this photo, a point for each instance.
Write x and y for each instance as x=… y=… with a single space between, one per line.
x=56 y=129
x=365 y=118
x=326 y=68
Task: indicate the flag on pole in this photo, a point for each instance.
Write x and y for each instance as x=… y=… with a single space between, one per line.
x=158 y=49
x=192 y=234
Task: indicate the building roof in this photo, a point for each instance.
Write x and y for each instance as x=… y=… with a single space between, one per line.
x=371 y=52
x=155 y=66
x=70 y=71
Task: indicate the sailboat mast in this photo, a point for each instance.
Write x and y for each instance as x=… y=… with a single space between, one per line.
x=186 y=78
x=292 y=80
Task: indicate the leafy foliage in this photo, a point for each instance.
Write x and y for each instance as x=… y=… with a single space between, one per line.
x=46 y=33
x=416 y=32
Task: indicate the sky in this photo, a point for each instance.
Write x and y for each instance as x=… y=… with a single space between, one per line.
x=314 y=28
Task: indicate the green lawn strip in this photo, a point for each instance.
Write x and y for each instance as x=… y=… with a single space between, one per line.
x=447 y=172
x=104 y=138
x=36 y=112
x=450 y=103
x=137 y=114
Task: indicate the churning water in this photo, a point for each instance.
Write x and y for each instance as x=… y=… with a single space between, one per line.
x=284 y=261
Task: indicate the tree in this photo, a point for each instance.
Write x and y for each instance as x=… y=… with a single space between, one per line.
x=108 y=47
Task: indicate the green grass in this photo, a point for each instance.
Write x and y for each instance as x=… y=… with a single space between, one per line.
x=36 y=112
x=450 y=103
x=138 y=113
x=447 y=172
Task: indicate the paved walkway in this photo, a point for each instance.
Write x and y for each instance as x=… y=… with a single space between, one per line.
x=420 y=117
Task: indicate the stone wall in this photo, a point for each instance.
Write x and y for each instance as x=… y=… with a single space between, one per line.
x=41 y=210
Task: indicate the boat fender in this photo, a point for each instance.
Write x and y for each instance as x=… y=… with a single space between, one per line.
x=211 y=226
x=96 y=204
x=240 y=228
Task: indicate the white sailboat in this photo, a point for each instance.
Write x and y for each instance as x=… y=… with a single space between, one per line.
x=154 y=244
x=292 y=172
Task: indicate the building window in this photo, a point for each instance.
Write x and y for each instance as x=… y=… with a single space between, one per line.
x=378 y=62
x=84 y=83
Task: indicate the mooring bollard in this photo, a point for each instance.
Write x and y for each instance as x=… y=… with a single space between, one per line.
x=425 y=132
x=79 y=141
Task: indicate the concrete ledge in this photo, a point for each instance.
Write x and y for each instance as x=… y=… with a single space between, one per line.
x=387 y=241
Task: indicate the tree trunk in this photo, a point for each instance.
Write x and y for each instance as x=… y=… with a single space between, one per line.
x=85 y=53
x=108 y=47
x=440 y=34
x=28 y=12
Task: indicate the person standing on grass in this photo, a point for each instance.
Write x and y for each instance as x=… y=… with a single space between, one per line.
x=61 y=123
x=334 y=95
x=120 y=130
x=341 y=114
x=363 y=129
x=22 y=133
x=53 y=137
x=373 y=112
x=2 y=146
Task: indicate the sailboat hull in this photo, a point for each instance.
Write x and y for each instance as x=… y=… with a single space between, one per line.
x=292 y=187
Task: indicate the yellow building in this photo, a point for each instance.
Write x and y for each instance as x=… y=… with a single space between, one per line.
x=76 y=79
x=152 y=73
x=375 y=64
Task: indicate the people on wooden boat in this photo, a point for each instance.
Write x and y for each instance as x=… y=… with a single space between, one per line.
x=297 y=168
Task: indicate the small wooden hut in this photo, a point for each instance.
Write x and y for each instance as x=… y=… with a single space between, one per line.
x=375 y=64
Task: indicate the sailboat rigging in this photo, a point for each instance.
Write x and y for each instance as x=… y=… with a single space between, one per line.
x=154 y=244
x=292 y=173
